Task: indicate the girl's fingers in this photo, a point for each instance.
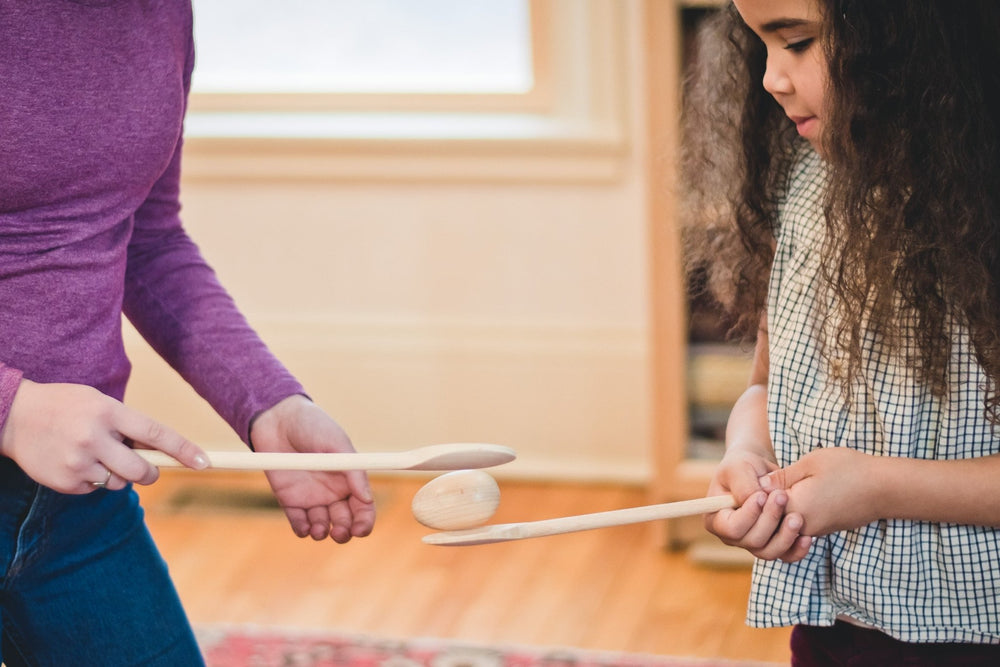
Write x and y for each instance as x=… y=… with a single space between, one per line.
x=760 y=534
x=731 y=526
x=761 y=527
x=798 y=550
x=784 y=543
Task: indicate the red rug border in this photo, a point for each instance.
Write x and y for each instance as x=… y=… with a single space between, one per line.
x=206 y=632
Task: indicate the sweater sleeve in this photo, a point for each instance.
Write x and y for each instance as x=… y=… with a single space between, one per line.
x=174 y=300
x=10 y=380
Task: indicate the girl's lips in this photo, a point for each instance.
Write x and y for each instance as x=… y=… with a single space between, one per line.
x=803 y=124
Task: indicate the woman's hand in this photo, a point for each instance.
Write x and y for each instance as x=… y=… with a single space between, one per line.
x=338 y=505
x=69 y=437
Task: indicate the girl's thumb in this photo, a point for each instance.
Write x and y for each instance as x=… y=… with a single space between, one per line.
x=782 y=478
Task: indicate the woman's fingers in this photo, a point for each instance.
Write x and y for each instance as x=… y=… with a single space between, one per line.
x=122 y=461
x=298 y=520
x=124 y=465
x=357 y=482
x=150 y=433
x=99 y=476
x=68 y=437
x=319 y=522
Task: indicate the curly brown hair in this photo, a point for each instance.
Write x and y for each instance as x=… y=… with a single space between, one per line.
x=913 y=145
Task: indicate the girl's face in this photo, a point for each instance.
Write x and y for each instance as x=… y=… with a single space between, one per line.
x=796 y=74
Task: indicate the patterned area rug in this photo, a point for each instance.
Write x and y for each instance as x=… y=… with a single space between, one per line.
x=259 y=647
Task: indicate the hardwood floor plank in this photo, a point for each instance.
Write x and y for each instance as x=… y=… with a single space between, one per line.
x=235 y=560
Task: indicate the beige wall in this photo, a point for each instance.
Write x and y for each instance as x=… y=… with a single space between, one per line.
x=509 y=310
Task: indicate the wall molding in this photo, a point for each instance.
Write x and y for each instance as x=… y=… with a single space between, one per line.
x=570 y=399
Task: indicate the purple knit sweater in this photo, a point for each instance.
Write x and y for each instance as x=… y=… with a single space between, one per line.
x=92 y=101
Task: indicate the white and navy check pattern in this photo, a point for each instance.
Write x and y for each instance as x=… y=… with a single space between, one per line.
x=916 y=581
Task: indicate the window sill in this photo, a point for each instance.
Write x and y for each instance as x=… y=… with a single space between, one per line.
x=402 y=146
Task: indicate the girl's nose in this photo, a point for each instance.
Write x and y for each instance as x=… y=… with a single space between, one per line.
x=776 y=79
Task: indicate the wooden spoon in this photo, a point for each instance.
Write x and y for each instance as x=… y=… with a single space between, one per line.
x=505 y=532
x=456 y=456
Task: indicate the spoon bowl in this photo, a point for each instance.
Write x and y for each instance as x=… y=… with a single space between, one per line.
x=458 y=457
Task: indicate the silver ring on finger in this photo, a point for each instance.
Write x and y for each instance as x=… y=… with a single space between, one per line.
x=101 y=485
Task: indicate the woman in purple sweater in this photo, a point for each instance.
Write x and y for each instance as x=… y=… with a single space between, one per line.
x=92 y=101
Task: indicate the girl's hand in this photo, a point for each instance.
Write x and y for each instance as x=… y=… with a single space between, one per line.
x=832 y=488
x=338 y=505
x=760 y=523
x=69 y=437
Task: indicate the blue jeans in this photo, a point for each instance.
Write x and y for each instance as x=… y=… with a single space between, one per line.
x=81 y=582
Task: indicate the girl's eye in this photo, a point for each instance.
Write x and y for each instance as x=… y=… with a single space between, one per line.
x=799 y=46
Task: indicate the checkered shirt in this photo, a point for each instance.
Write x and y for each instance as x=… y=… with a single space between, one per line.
x=916 y=581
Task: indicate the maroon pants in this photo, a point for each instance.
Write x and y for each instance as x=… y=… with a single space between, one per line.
x=846 y=645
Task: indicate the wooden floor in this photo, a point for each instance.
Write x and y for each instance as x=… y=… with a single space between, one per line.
x=235 y=561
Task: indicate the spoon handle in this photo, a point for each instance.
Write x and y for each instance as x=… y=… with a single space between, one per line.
x=505 y=532
x=455 y=456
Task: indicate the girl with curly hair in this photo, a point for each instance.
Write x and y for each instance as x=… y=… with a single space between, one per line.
x=843 y=173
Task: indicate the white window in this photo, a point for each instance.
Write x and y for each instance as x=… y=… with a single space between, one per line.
x=373 y=46
x=332 y=87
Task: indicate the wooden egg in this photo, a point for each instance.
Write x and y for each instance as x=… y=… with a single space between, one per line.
x=457 y=500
